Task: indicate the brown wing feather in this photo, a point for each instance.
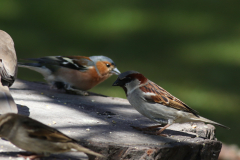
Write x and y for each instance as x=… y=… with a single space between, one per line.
x=165 y=98
x=41 y=131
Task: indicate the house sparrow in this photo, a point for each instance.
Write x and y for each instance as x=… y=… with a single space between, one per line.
x=74 y=73
x=156 y=103
x=8 y=73
x=36 y=137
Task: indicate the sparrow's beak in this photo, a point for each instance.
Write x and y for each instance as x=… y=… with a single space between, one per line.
x=115 y=71
x=117 y=83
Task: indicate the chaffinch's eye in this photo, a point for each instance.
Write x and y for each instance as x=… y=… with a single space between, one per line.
x=108 y=65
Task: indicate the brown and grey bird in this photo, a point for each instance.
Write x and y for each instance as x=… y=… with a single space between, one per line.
x=75 y=74
x=156 y=103
x=36 y=137
x=8 y=72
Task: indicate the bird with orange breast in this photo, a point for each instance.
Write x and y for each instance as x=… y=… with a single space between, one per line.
x=74 y=73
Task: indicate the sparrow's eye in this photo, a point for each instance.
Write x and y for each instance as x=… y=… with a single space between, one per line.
x=129 y=78
x=126 y=79
x=108 y=65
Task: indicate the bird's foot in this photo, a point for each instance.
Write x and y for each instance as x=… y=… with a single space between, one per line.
x=162 y=129
x=160 y=134
x=155 y=133
x=69 y=89
x=30 y=156
x=147 y=128
x=77 y=91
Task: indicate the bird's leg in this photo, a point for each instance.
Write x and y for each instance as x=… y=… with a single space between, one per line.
x=69 y=89
x=147 y=128
x=162 y=129
x=58 y=85
x=30 y=156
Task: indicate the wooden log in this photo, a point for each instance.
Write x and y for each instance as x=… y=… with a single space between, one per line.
x=103 y=124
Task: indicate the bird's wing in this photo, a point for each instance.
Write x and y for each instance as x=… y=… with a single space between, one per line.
x=156 y=94
x=81 y=63
x=38 y=130
x=6 y=78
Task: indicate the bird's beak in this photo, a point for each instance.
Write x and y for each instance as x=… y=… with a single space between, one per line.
x=117 y=83
x=115 y=71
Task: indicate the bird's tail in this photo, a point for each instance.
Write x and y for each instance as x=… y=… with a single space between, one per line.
x=28 y=65
x=41 y=62
x=36 y=67
x=202 y=119
x=85 y=150
x=44 y=65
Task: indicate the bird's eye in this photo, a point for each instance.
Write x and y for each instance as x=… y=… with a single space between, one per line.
x=126 y=79
x=108 y=65
x=129 y=78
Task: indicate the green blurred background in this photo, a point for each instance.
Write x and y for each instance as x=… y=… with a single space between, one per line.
x=191 y=49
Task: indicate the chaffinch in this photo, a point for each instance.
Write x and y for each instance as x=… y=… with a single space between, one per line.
x=8 y=72
x=156 y=103
x=34 y=136
x=74 y=73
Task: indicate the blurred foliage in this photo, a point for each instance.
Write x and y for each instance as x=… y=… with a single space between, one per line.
x=189 y=48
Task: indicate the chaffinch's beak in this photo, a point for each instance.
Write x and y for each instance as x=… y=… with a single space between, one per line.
x=115 y=71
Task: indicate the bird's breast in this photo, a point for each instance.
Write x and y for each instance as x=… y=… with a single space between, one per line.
x=151 y=110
